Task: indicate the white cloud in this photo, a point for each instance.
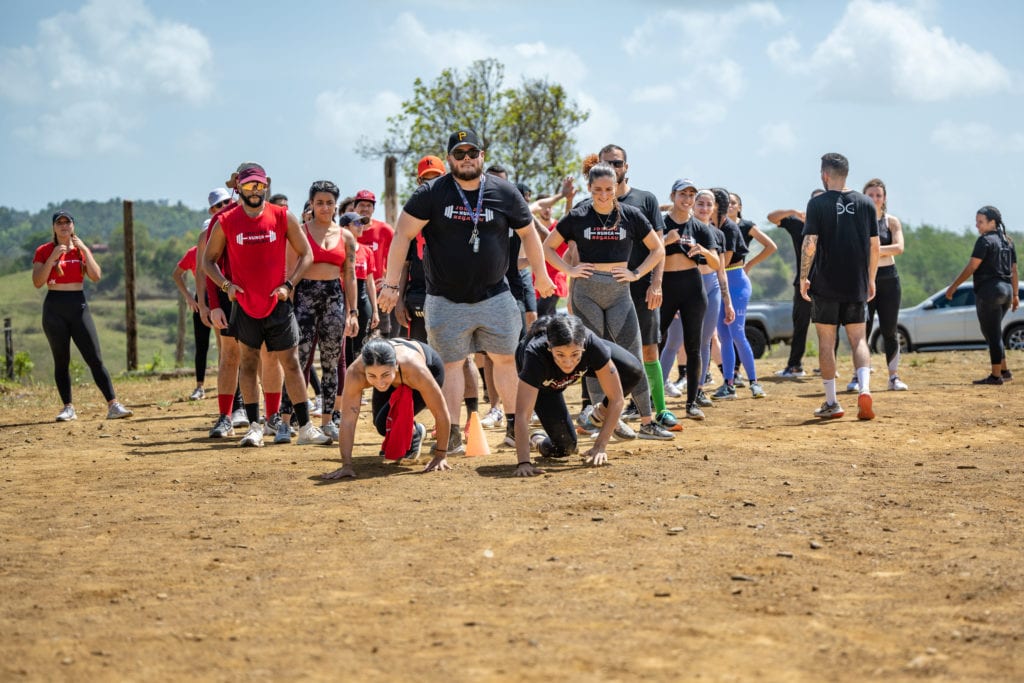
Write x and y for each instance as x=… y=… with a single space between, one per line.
x=976 y=138
x=697 y=40
x=776 y=138
x=110 y=47
x=81 y=130
x=880 y=51
x=343 y=118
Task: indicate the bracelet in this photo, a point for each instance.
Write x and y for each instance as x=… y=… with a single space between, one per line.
x=387 y=286
x=523 y=463
x=289 y=285
x=353 y=311
x=225 y=286
x=435 y=449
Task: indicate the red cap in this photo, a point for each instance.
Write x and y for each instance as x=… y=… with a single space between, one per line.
x=365 y=196
x=254 y=174
x=429 y=163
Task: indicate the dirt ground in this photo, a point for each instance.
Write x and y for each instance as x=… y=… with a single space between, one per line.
x=762 y=545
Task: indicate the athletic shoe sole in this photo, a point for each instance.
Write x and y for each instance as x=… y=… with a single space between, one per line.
x=864 y=408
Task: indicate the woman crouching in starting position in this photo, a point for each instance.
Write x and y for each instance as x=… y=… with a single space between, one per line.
x=556 y=352
x=406 y=377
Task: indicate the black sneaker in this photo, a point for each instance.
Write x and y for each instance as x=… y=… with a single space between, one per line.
x=1007 y=376
x=991 y=379
x=418 y=432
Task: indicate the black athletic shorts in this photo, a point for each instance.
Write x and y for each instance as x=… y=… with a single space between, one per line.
x=829 y=312
x=279 y=330
x=226 y=305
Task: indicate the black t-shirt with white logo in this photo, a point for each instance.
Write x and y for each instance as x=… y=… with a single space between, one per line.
x=844 y=223
x=997 y=256
x=537 y=367
x=453 y=270
x=702 y=233
x=598 y=238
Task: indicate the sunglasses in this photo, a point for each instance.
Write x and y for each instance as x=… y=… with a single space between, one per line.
x=253 y=186
x=617 y=163
x=221 y=204
x=460 y=154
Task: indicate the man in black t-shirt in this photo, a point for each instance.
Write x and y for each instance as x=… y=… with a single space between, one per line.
x=465 y=219
x=792 y=221
x=838 y=262
x=646 y=292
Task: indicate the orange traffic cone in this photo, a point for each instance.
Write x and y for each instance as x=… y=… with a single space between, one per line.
x=476 y=440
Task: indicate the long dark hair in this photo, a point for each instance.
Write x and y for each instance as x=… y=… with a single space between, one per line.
x=722 y=200
x=378 y=351
x=561 y=329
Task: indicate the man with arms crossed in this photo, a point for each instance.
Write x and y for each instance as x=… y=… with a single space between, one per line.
x=838 y=262
x=465 y=218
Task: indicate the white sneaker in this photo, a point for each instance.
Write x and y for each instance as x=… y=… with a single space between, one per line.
x=309 y=433
x=493 y=419
x=67 y=414
x=330 y=430
x=254 y=437
x=239 y=418
x=672 y=391
x=853 y=386
x=316 y=406
x=116 y=411
x=896 y=384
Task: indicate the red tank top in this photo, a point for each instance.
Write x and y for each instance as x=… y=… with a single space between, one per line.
x=335 y=255
x=256 y=250
x=70 y=263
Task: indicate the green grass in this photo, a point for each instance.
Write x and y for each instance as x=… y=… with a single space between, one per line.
x=157 y=329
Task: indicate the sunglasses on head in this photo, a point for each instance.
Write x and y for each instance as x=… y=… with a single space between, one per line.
x=617 y=163
x=253 y=186
x=460 y=154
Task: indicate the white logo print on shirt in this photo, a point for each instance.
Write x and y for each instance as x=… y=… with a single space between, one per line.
x=844 y=208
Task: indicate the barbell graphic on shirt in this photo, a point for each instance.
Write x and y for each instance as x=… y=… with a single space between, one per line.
x=604 y=233
x=243 y=238
x=449 y=211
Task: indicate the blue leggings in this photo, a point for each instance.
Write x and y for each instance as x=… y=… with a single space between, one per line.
x=734 y=333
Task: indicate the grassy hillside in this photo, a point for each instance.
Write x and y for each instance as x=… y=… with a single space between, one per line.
x=23 y=303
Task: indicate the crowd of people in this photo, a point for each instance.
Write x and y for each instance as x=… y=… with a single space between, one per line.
x=462 y=294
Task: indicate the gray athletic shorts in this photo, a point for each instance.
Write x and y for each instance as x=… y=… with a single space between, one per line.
x=457 y=330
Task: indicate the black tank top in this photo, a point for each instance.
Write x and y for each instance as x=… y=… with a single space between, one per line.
x=884 y=234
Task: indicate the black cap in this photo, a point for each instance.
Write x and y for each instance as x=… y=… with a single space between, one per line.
x=464 y=136
x=524 y=189
x=63 y=214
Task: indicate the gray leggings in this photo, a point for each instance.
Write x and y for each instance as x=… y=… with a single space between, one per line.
x=606 y=309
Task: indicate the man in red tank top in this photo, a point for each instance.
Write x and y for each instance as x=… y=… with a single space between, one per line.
x=255 y=235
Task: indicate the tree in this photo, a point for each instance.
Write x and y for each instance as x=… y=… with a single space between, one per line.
x=528 y=129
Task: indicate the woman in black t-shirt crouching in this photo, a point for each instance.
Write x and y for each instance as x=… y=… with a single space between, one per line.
x=556 y=352
x=993 y=264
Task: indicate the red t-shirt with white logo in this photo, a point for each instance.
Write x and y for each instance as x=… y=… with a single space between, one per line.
x=256 y=250
x=70 y=263
x=363 y=265
x=377 y=236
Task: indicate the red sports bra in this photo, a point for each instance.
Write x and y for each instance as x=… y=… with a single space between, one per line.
x=334 y=256
x=68 y=270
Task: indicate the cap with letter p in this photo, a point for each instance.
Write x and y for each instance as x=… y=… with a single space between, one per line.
x=464 y=136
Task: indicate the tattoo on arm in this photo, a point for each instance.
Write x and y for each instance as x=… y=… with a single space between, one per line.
x=807 y=256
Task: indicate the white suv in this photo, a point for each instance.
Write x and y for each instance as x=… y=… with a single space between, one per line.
x=938 y=322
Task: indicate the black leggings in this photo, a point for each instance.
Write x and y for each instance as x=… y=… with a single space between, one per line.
x=66 y=318
x=554 y=414
x=991 y=301
x=801 y=322
x=683 y=291
x=887 y=304
x=201 y=333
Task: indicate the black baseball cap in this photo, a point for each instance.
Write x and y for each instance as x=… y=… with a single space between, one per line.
x=62 y=214
x=464 y=136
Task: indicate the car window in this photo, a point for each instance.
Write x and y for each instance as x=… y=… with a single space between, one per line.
x=963 y=297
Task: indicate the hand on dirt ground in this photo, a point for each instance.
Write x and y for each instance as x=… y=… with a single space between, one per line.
x=340 y=473
x=595 y=457
x=528 y=469
x=438 y=464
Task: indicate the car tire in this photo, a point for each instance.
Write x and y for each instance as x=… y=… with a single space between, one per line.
x=876 y=345
x=758 y=340
x=1013 y=337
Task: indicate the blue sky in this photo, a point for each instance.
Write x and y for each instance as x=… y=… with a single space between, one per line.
x=135 y=99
